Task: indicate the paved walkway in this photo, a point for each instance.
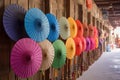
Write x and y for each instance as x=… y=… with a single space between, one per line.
x=107 y=67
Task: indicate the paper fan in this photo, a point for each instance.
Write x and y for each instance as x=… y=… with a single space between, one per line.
x=36 y=24
x=85 y=30
x=83 y=40
x=70 y=48
x=13 y=21
x=60 y=54
x=78 y=46
x=48 y=54
x=87 y=44
x=96 y=42
x=95 y=32
x=92 y=42
x=79 y=28
x=26 y=58
x=73 y=27
x=64 y=28
x=91 y=31
x=54 y=27
x=99 y=32
x=100 y=42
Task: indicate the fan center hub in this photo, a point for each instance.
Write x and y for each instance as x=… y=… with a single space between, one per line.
x=27 y=58
x=38 y=24
x=53 y=26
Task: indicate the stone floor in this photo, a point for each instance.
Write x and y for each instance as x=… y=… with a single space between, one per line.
x=107 y=67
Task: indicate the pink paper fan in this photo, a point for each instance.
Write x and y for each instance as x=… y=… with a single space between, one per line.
x=26 y=58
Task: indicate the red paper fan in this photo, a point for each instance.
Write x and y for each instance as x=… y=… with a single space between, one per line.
x=78 y=45
x=91 y=31
x=85 y=30
x=83 y=43
x=79 y=28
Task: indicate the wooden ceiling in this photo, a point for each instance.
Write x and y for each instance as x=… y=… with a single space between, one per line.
x=111 y=9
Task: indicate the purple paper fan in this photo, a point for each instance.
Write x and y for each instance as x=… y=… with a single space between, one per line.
x=13 y=21
x=26 y=58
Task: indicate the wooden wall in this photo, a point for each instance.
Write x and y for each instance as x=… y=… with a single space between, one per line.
x=72 y=69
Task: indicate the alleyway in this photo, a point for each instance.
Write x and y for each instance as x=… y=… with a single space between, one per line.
x=107 y=67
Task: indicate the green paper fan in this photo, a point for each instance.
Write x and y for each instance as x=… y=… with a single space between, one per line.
x=60 y=54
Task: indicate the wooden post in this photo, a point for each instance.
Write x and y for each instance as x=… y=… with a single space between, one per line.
x=80 y=12
x=5 y=44
x=67 y=8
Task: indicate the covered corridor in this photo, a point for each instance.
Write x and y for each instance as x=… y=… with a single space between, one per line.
x=107 y=67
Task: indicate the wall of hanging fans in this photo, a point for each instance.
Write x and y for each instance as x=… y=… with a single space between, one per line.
x=43 y=41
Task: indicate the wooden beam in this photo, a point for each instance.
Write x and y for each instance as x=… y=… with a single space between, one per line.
x=107 y=2
x=67 y=8
x=47 y=6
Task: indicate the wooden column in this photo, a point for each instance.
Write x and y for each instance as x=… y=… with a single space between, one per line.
x=5 y=44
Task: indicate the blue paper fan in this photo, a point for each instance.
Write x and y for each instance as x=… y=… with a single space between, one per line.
x=54 y=27
x=36 y=25
x=13 y=21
